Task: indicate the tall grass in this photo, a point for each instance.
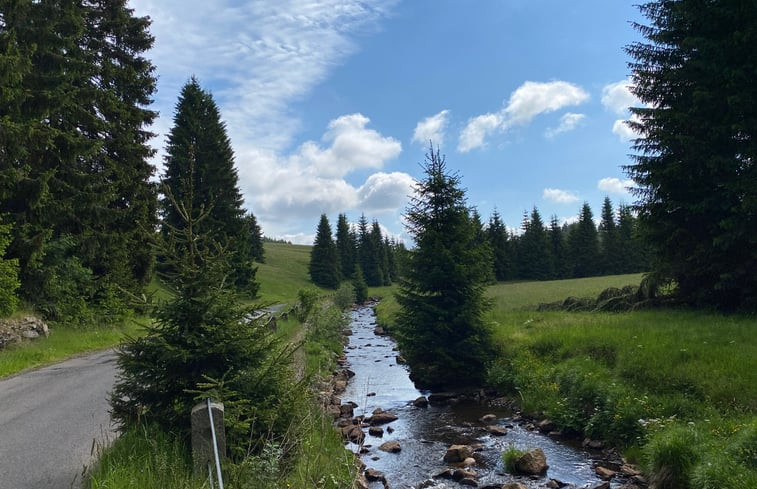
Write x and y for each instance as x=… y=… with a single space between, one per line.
x=62 y=343
x=144 y=458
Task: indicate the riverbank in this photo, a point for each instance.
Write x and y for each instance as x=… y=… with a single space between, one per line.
x=674 y=390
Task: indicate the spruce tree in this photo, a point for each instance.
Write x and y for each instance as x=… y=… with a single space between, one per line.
x=499 y=241
x=369 y=255
x=608 y=240
x=583 y=245
x=324 y=262
x=74 y=176
x=533 y=249
x=346 y=246
x=694 y=164
x=440 y=324
x=558 y=249
x=199 y=134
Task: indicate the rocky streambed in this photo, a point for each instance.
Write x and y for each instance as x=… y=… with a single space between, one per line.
x=412 y=439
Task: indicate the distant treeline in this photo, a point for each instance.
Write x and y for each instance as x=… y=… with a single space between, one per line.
x=579 y=249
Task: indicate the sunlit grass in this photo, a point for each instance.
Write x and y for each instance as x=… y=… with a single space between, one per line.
x=62 y=343
x=284 y=273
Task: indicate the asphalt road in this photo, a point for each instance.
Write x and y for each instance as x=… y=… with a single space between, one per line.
x=50 y=417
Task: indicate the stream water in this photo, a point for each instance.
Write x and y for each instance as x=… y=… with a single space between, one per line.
x=425 y=434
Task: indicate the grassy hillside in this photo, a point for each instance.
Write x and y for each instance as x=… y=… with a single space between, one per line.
x=284 y=273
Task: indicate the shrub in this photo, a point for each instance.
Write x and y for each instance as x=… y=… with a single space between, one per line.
x=9 y=282
x=344 y=296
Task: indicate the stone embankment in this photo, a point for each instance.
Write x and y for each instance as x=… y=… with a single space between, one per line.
x=22 y=329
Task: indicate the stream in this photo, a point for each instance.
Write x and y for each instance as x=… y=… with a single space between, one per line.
x=425 y=434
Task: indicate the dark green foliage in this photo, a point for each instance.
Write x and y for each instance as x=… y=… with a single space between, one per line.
x=558 y=250
x=499 y=241
x=8 y=275
x=73 y=145
x=324 y=262
x=694 y=165
x=583 y=245
x=346 y=245
x=361 y=288
x=382 y=251
x=199 y=135
x=369 y=254
x=201 y=343
x=609 y=242
x=440 y=326
x=534 y=258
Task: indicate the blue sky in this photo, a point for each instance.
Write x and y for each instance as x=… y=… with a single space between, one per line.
x=330 y=104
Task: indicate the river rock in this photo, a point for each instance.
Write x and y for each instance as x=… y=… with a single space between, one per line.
x=376 y=431
x=630 y=470
x=373 y=475
x=514 y=485
x=546 y=425
x=379 y=331
x=457 y=453
x=533 y=462
x=556 y=484
x=340 y=386
x=441 y=397
x=444 y=474
x=353 y=433
x=346 y=410
x=468 y=462
x=604 y=472
x=460 y=474
x=496 y=430
x=421 y=402
x=488 y=419
x=593 y=444
x=467 y=481
x=602 y=485
x=391 y=447
x=381 y=418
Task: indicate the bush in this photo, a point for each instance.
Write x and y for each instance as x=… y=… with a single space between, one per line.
x=344 y=296
x=9 y=282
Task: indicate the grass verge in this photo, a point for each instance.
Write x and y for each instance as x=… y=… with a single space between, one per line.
x=61 y=344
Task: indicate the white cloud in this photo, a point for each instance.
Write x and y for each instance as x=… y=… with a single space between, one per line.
x=259 y=56
x=284 y=190
x=385 y=191
x=617 y=97
x=614 y=185
x=559 y=196
x=477 y=129
x=431 y=129
x=525 y=103
x=353 y=147
x=568 y=122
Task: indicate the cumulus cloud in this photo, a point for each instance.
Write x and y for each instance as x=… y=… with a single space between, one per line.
x=352 y=147
x=559 y=196
x=568 y=122
x=525 y=103
x=285 y=190
x=614 y=185
x=617 y=97
x=385 y=191
x=431 y=129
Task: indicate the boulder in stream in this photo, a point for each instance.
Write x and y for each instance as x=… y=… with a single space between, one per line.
x=421 y=402
x=514 y=485
x=382 y=417
x=533 y=462
x=458 y=453
x=391 y=447
x=496 y=430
